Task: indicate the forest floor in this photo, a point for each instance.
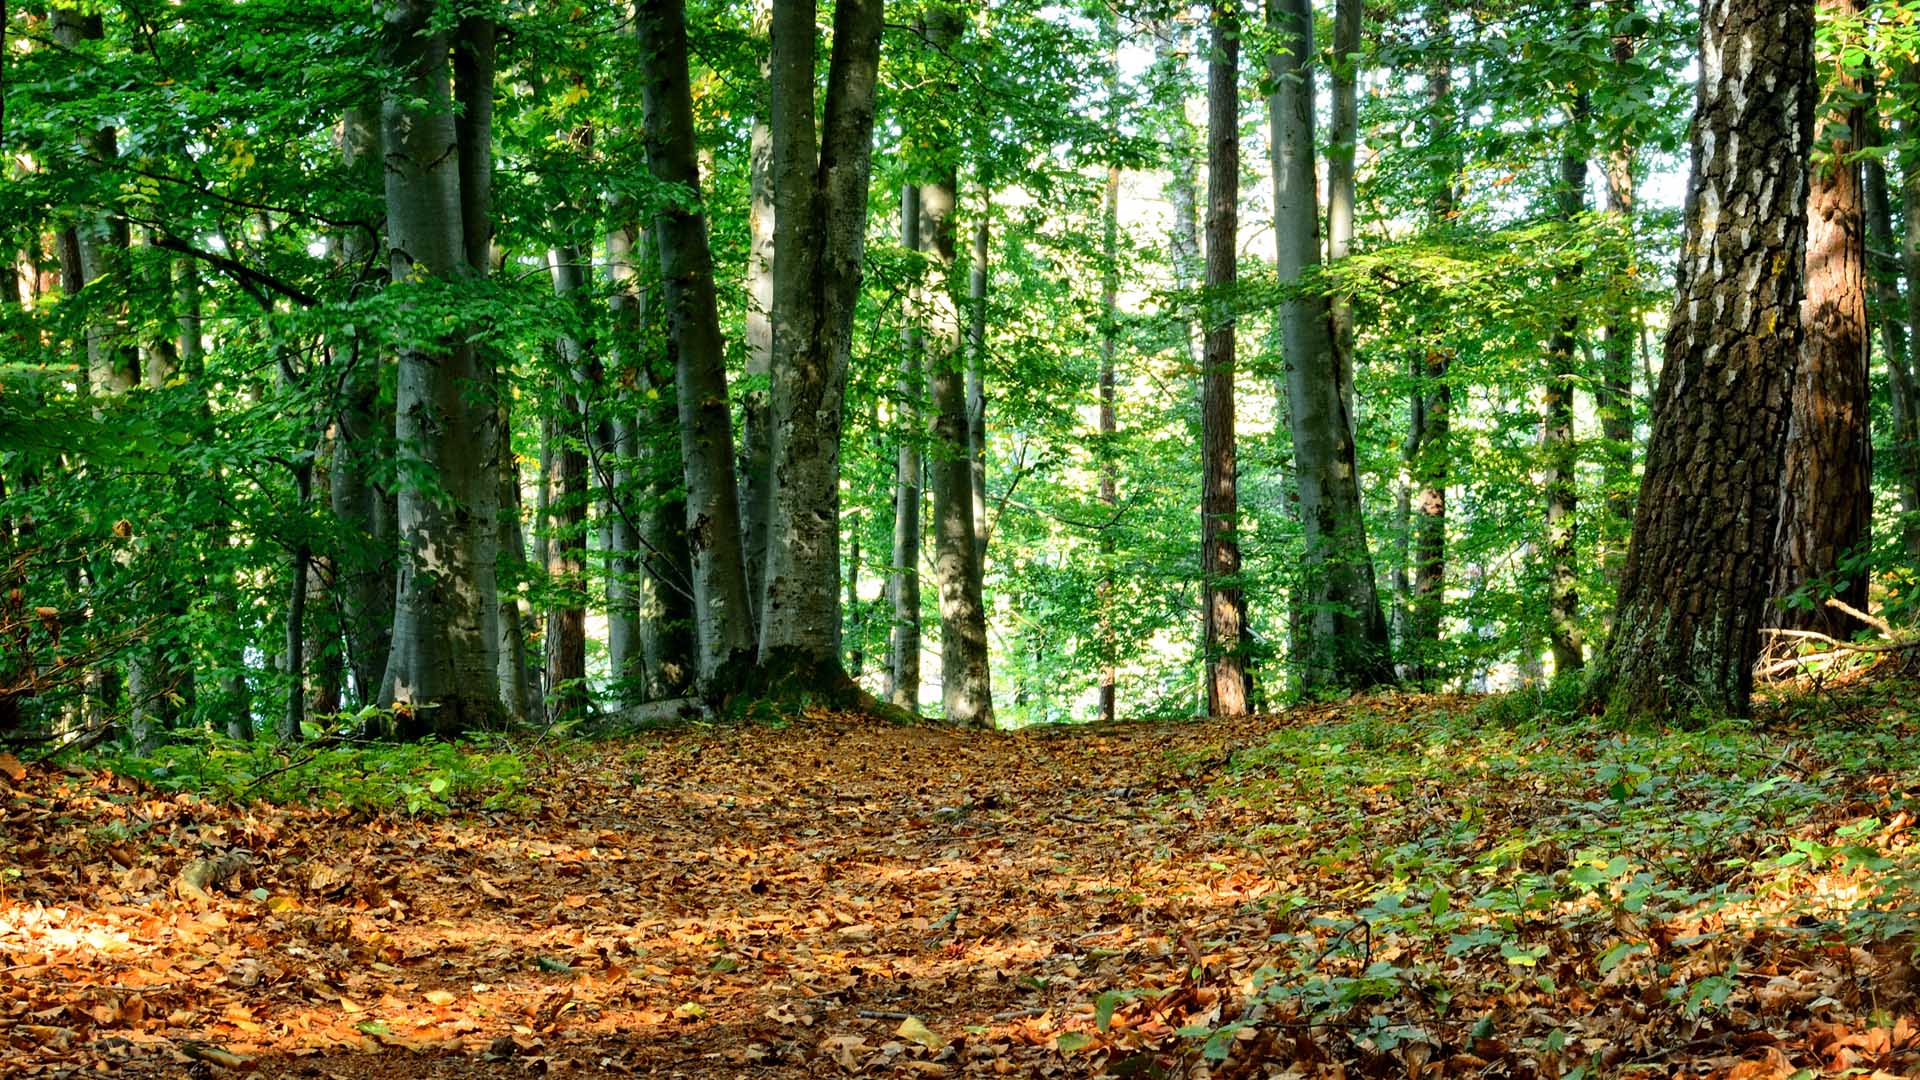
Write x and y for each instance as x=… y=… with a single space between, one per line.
x=1417 y=886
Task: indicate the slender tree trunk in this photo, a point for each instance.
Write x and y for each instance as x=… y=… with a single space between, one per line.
x=295 y=715
x=820 y=211
x=1107 y=454
x=1826 y=493
x=519 y=683
x=442 y=671
x=1219 y=504
x=724 y=623
x=567 y=553
x=1694 y=594
x=1343 y=147
x=977 y=377
x=1344 y=640
x=904 y=578
x=1613 y=397
x=756 y=483
x=1556 y=427
x=1909 y=374
x=965 y=681
x=1884 y=266
x=1430 y=454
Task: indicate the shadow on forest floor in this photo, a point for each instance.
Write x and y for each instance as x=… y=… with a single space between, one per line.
x=1394 y=886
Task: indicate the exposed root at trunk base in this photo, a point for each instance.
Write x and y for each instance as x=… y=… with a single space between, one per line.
x=788 y=682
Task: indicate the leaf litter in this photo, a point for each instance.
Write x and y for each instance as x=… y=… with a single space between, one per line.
x=1401 y=886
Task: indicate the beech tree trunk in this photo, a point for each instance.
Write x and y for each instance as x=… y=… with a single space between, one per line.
x=566 y=645
x=903 y=583
x=1613 y=396
x=1224 y=604
x=723 y=621
x=441 y=673
x=977 y=377
x=1343 y=637
x=1884 y=266
x=1107 y=452
x=1429 y=440
x=1343 y=144
x=756 y=468
x=1694 y=593
x=1556 y=426
x=1826 y=492
x=820 y=212
x=965 y=681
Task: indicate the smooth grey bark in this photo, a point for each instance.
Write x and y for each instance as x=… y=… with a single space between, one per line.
x=965 y=681
x=1343 y=138
x=663 y=580
x=1224 y=601
x=519 y=683
x=1344 y=640
x=1613 y=396
x=903 y=581
x=723 y=620
x=442 y=672
x=756 y=469
x=1560 y=476
x=1884 y=266
x=820 y=212
x=1109 y=425
x=977 y=377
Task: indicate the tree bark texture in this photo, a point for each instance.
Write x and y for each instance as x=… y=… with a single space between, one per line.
x=1225 y=604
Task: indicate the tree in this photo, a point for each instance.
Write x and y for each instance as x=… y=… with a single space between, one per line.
x=1224 y=603
x=1343 y=639
x=723 y=621
x=820 y=212
x=903 y=580
x=442 y=670
x=1556 y=421
x=1696 y=583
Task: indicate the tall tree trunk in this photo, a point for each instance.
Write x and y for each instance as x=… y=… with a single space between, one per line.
x=1693 y=597
x=903 y=583
x=977 y=376
x=442 y=670
x=756 y=480
x=519 y=683
x=567 y=551
x=723 y=621
x=820 y=212
x=965 y=679
x=1884 y=266
x=1613 y=397
x=1344 y=640
x=1556 y=425
x=1826 y=492
x=1910 y=255
x=1225 y=604
x=1107 y=451
x=1342 y=149
x=1429 y=454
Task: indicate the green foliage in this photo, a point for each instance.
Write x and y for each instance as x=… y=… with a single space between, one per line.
x=424 y=779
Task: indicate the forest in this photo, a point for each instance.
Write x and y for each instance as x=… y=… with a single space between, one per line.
x=960 y=537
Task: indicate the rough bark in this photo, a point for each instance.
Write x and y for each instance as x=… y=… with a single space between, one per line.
x=442 y=669
x=903 y=583
x=1343 y=637
x=1613 y=396
x=820 y=211
x=723 y=620
x=1826 y=492
x=1556 y=422
x=1225 y=605
x=1695 y=588
x=965 y=681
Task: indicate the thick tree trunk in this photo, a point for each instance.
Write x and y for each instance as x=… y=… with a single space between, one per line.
x=756 y=468
x=1343 y=640
x=965 y=679
x=442 y=670
x=1694 y=594
x=820 y=212
x=566 y=651
x=1826 y=492
x=723 y=621
x=1224 y=605
x=1884 y=267
x=1556 y=424
x=903 y=583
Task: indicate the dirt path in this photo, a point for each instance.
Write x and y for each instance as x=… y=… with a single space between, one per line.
x=833 y=898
